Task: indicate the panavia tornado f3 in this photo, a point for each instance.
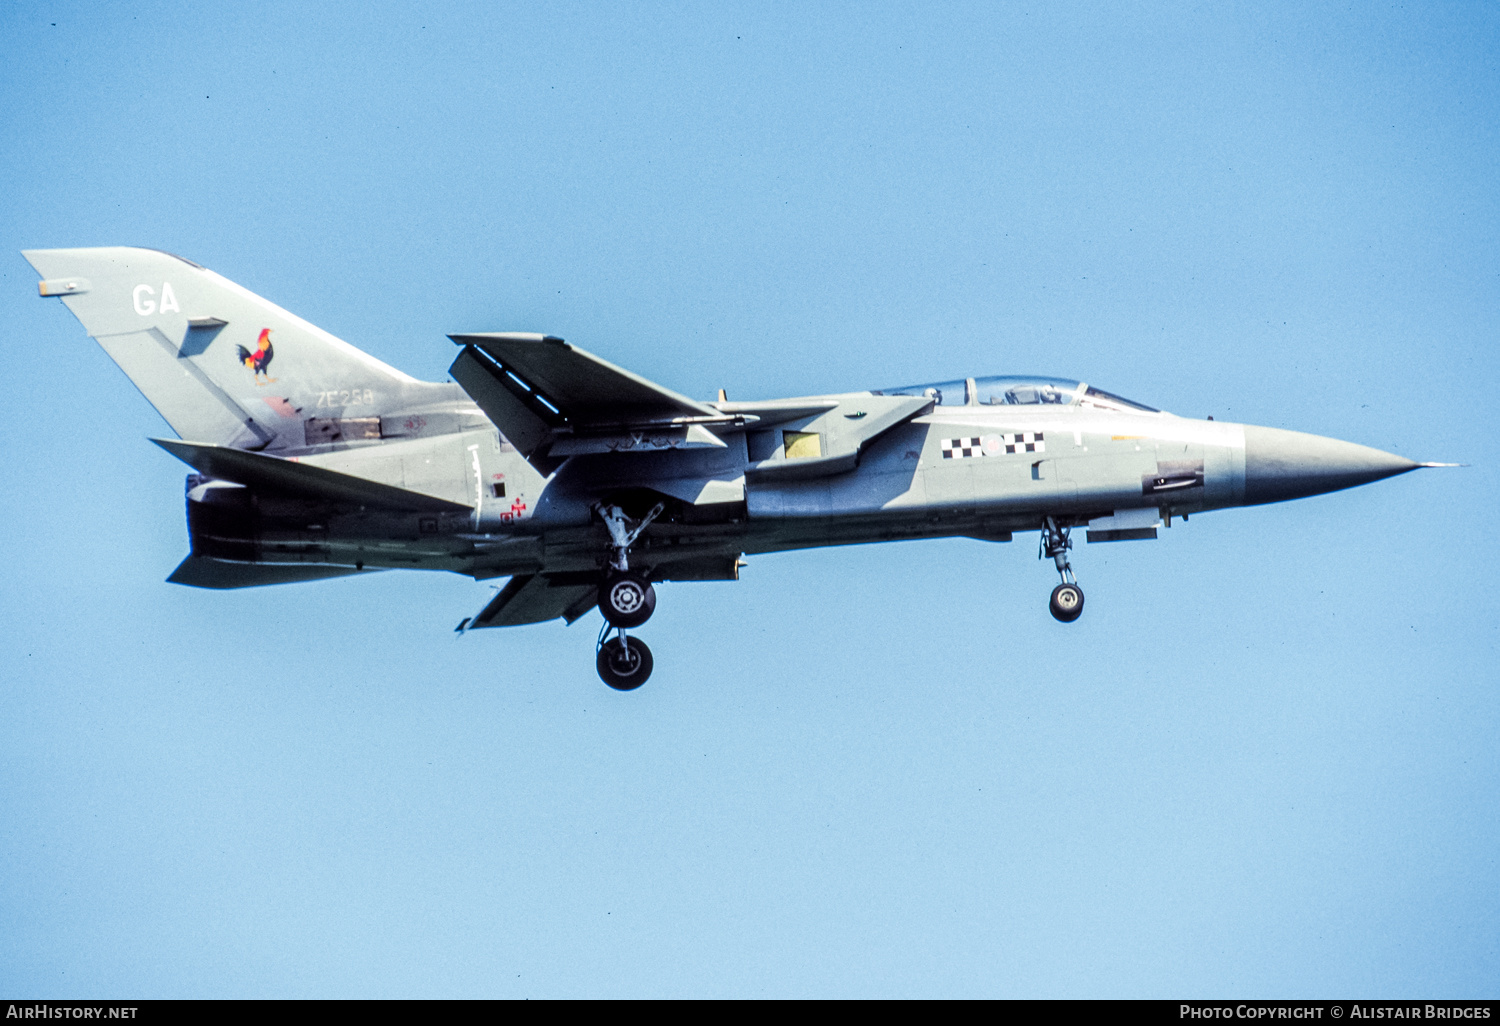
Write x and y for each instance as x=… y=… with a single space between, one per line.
x=587 y=485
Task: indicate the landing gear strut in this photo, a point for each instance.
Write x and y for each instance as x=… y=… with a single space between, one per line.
x=627 y=600
x=1067 y=598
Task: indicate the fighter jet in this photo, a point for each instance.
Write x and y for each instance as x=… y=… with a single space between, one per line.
x=587 y=485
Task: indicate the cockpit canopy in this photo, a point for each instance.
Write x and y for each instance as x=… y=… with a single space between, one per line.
x=1019 y=390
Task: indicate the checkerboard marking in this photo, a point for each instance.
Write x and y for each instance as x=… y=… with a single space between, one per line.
x=993 y=445
x=1025 y=441
x=961 y=448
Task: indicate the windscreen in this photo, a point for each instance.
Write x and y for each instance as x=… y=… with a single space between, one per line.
x=1109 y=401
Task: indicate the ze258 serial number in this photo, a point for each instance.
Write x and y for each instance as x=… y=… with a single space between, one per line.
x=347 y=397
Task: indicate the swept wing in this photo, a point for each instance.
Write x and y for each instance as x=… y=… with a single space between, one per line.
x=551 y=399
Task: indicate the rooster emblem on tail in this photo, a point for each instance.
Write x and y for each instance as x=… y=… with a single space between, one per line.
x=260 y=359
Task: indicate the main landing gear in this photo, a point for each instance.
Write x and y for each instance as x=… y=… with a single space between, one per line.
x=623 y=662
x=627 y=600
x=1067 y=598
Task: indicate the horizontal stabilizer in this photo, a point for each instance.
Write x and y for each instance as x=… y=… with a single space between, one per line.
x=202 y=572
x=532 y=598
x=257 y=470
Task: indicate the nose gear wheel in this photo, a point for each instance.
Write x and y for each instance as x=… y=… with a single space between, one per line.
x=1067 y=602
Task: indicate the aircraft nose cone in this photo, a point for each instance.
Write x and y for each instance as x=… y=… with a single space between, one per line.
x=1281 y=465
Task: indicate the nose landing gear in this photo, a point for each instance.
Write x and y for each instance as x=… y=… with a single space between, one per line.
x=1066 y=604
x=627 y=600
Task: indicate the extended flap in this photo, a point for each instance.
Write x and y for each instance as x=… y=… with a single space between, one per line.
x=524 y=422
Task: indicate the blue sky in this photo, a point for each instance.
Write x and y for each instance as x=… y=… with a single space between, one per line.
x=1262 y=763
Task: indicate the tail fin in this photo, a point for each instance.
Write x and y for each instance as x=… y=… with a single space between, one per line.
x=219 y=363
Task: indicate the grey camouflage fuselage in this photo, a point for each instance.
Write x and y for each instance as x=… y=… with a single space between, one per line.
x=314 y=459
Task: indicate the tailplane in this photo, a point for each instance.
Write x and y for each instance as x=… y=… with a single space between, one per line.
x=220 y=364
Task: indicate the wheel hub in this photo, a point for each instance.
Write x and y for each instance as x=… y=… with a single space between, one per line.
x=626 y=597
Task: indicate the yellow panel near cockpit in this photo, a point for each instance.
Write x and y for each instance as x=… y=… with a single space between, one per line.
x=802 y=445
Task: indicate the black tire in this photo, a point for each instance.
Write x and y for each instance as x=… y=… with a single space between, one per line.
x=621 y=668
x=626 y=600
x=1067 y=602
